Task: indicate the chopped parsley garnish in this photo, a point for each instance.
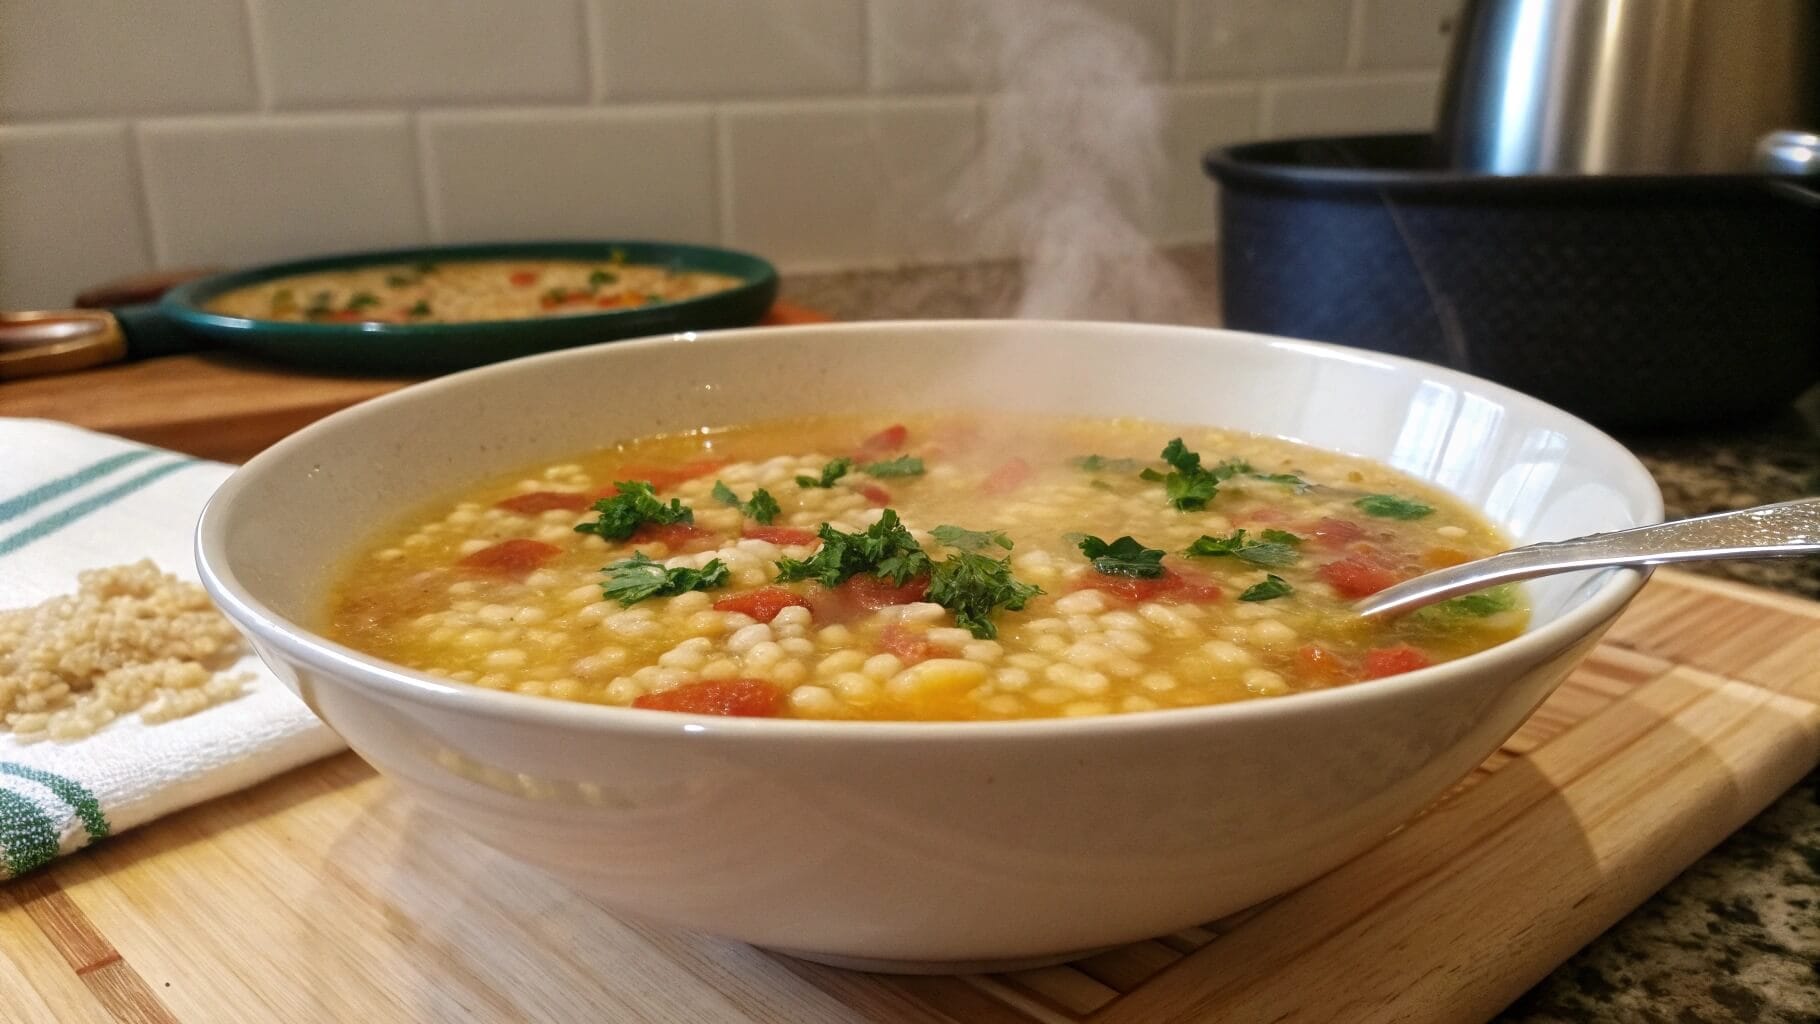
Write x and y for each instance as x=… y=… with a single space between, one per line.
x=886 y=550
x=1389 y=506
x=555 y=296
x=903 y=465
x=631 y=580
x=1273 y=587
x=1272 y=551
x=635 y=505
x=362 y=300
x=1289 y=480
x=401 y=280
x=424 y=268
x=834 y=470
x=1479 y=604
x=973 y=585
x=319 y=304
x=1191 y=486
x=1123 y=557
x=421 y=308
x=970 y=540
x=762 y=507
x=1102 y=464
x=600 y=277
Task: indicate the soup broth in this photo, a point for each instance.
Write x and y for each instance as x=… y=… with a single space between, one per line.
x=924 y=568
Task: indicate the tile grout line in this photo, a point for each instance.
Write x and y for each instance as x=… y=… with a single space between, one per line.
x=594 y=33
x=723 y=174
x=1355 y=35
x=135 y=159
x=256 y=56
x=428 y=184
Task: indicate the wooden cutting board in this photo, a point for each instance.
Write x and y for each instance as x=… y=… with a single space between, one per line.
x=215 y=405
x=325 y=894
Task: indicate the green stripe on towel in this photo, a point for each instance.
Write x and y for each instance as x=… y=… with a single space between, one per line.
x=70 y=792
x=13 y=508
x=27 y=837
x=52 y=523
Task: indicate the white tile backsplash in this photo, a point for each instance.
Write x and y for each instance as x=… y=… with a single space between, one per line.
x=78 y=58
x=819 y=132
x=1406 y=33
x=1248 y=38
x=643 y=173
x=831 y=185
x=960 y=45
x=1351 y=107
x=69 y=207
x=366 y=53
x=712 y=49
x=241 y=190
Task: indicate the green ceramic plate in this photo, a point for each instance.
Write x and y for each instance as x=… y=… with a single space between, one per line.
x=432 y=348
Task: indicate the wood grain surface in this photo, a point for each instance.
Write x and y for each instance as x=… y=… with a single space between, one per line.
x=325 y=894
x=215 y=405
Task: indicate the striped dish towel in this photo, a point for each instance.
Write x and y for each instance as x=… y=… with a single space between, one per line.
x=71 y=500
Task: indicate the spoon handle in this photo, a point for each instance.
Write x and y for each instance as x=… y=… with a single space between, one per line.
x=1767 y=531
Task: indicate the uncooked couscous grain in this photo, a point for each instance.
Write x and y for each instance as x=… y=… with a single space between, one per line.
x=130 y=639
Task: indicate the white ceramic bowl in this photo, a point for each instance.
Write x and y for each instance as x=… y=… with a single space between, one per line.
x=905 y=845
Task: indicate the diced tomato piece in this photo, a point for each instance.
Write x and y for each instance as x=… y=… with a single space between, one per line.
x=675 y=536
x=1358 y=575
x=1442 y=557
x=515 y=557
x=610 y=301
x=523 y=278
x=737 y=698
x=1008 y=477
x=786 y=536
x=871 y=593
x=1391 y=661
x=875 y=495
x=762 y=604
x=1173 y=587
x=1261 y=514
x=1321 y=665
x=1332 y=534
x=889 y=439
x=543 y=501
x=665 y=477
x=910 y=646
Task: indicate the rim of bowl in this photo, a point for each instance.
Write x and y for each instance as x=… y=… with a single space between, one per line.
x=398 y=682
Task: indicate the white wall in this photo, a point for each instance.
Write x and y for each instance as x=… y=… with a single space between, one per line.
x=136 y=135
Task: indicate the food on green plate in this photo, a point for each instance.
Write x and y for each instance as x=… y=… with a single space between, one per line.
x=465 y=291
x=936 y=568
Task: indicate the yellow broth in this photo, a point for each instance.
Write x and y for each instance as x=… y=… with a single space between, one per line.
x=465 y=291
x=500 y=590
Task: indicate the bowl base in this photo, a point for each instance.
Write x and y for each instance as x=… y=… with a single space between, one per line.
x=884 y=966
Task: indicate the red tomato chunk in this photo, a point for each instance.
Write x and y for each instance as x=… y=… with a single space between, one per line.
x=876 y=496
x=524 y=278
x=1007 y=477
x=543 y=501
x=910 y=646
x=676 y=536
x=1358 y=575
x=1175 y=586
x=889 y=439
x=785 y=536
x=734 y=698
x=762 y=604
x=1332 y=534
x=1391 y=661
x=510 y=557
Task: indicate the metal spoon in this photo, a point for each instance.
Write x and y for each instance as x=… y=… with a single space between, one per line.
x=1767 y=531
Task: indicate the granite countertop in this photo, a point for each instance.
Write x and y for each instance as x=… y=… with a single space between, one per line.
x=1737 y=936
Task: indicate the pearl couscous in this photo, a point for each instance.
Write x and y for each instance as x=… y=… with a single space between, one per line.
x=939 y=568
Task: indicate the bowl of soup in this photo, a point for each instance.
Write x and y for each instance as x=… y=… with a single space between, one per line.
x=924 y=645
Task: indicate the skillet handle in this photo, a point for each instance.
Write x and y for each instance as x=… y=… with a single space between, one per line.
x=34 y=343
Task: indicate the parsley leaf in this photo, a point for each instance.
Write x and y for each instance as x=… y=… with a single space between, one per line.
x=635 y=505
x=972 y=586
x=362 y=300
x=762 y=508
x=1479 y=604
x=1191 y=486
x=1102 y=464
x=1282 y=537
x=1123 y=557
x=400 y=280
x=970 y=540
x=903 y=465
x=600 y=277
x=1289 y=480
x=834 y=470
x=631 y=580
x=1389 y=506
x=886 y=550
x=1269 y=552
x=422 y=308
x=1272 y=587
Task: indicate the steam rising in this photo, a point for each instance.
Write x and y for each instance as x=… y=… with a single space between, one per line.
x=1071 y=163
